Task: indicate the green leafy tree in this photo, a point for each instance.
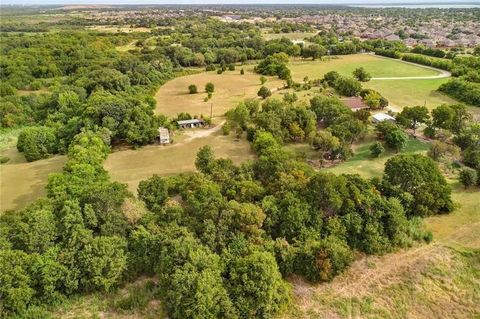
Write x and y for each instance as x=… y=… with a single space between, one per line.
x=377 y=149
x=37 y=142
x=347 y=86
x=205 y=159
x=361 y=74
x=153 y=192
x=468 y=177
x=257 y=285
x=209 y=87
x=396 y=139
x=192 y=89
x=264 y=92
x=411 y=117
x=419 y=176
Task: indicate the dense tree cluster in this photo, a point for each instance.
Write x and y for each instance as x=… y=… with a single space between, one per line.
x=72 y=241
x=457 y=137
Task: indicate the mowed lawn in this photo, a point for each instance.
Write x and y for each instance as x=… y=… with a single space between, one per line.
x=133 y=166
x=401 y=93
x=230 y=88
x=365 y=165
x=346 y=64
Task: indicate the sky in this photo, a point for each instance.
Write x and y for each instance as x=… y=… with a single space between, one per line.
x=45 y=2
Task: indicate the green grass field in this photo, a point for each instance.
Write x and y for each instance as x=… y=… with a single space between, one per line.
x=364 y=164
x=346 y=64
x=401 y=93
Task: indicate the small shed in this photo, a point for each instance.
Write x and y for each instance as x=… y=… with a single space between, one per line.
x=191 y=123
x=380 y=117
x=163 y=135
x=355 y=103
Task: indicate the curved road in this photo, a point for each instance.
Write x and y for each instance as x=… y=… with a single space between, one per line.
x=442 y=73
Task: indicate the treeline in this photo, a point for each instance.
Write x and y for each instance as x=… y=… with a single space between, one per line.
x=72 y=241
x=438 y=53
x=433 y=62
x=90 y=85
x=462 y=90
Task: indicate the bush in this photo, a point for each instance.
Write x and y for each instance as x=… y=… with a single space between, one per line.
x=210 y=67
x=322 y=260
x=264 y=92
x=192 y=89
x=468 y=177
x=347 y=86
x=209 y=87
x=377 y=149
x=37 y=142
x=231 y=67
x=362 y=75
x=242 y=71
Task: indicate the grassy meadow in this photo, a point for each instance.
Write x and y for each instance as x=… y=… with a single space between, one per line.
x=346 y=64
x=401 y=93
x=132 y=166
x=230 y=88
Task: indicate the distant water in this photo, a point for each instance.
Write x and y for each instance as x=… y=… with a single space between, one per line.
x=419 y=6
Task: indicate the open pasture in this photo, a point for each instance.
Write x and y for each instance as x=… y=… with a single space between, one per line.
x=401 y=93
x=22 y=182
x=230 y=88
x=133 y=166
x=346 y=64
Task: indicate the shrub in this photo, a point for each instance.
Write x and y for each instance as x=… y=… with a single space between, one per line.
x=231 y=67
x=242 y=71
x=264 y=92
x=192 y=89
x=362 y=75
x=210 y=67
x=468 y=177
x=377 y=149
x=322 y=260
x=209 y=87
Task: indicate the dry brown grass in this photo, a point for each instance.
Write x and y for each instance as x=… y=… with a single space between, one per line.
x=230 y=88
x=22 y=182
x=132 y=166
x=431 y=281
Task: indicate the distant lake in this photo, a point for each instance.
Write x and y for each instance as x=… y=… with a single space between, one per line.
x=418 y=6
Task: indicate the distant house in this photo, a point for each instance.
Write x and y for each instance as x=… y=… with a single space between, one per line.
x=298 y=42
x=191 y=123
x=163 y=135
x=392 y=37
x=410 y=42
x=380 y=117
x=354 y=103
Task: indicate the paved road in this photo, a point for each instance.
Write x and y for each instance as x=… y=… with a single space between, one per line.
x=442 y=73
